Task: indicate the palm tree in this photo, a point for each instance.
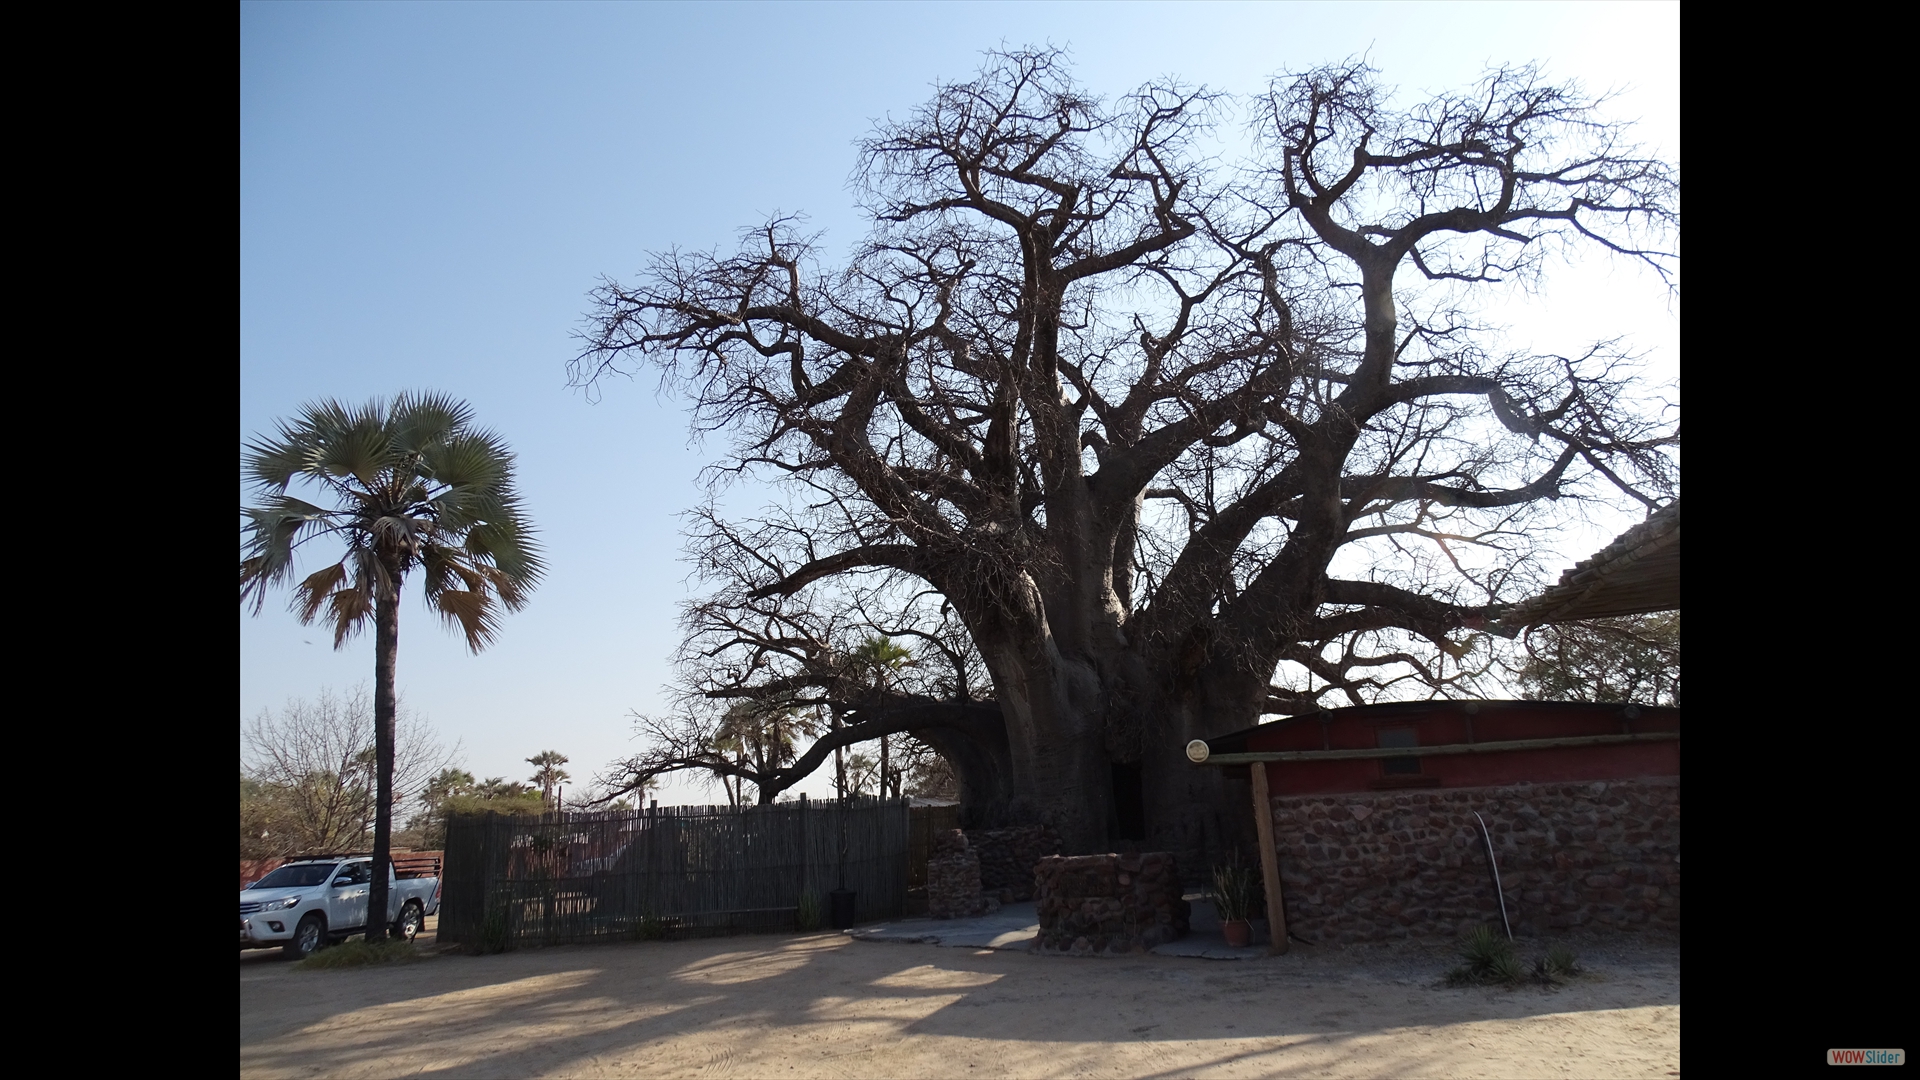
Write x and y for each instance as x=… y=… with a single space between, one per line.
x=548 y=774
x=405 y=485
x=760 y=735
x=874 y=660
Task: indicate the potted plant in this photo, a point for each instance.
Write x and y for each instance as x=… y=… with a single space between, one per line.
x=1233 y=898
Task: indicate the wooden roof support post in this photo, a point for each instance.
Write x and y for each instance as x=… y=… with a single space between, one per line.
x=1269 y=858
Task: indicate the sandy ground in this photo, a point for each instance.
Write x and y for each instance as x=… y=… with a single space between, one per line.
x=827 y=1006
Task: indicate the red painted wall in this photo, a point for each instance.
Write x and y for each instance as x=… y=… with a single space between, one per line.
x=1441 y=723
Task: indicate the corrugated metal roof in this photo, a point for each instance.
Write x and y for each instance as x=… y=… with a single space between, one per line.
x=1637 y=574
x=1391 y=711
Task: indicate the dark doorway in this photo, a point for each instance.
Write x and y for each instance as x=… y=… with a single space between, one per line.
x=1129 y=803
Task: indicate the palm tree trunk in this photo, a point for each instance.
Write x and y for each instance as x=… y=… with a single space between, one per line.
x=386 y=651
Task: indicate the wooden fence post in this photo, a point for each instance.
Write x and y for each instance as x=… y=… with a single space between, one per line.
x=1269 y=858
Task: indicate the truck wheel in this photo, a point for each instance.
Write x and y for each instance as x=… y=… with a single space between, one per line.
x=307 y=938
x=408 y=926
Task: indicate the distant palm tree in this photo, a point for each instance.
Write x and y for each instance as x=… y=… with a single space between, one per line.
x=548 y=773
x=760 y=735
x=407 y=484
x=875 y=661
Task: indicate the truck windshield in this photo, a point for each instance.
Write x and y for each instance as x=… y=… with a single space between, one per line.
x=299 y=876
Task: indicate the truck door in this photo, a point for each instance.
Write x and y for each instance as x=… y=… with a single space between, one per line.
x=347 y=902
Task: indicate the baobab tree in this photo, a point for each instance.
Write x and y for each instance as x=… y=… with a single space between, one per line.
x=1149 y=446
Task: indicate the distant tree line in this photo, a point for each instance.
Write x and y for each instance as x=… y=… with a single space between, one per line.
x=307 y=780
x=1634 y=658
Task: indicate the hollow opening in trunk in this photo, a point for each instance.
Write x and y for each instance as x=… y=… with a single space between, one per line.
x=1129 y=803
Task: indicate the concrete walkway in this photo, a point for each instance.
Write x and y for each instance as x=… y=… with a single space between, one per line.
x=1015 y=926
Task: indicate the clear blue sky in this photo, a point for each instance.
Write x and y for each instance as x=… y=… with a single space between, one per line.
x=428 y=191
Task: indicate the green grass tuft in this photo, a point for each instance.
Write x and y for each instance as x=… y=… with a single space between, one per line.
x=1561 y=961
x=1489 y=958
x=495 y=935
x=1506 y=969
x=1491 y=961
x=1484 y=948
x=808 y=918
x=359 y=952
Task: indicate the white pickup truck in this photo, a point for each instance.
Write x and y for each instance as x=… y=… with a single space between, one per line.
x=311 y=901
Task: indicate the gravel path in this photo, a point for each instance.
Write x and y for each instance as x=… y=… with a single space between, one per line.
x=828 y=1006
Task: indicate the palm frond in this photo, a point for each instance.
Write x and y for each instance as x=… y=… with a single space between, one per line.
x=325 y=419
x=474 y=462
x=349 y=610
x=370 y=574
x=395 y=529
x=362 y=448
x=472 y=612
x=508 y=544
x=475 y=579
x=255 y=576
x=436 y=570
x=272 y=531
x=423 y=421
x=272 y=465
x=510 y=591
x=311 y=594
x=443 y=565
x=414 y=486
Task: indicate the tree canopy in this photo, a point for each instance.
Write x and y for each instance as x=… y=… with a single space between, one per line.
x=307 y=773
x=1630 y=659
x=1131 y=445
x=455 y=791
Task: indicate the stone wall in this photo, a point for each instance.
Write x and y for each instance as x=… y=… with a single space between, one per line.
x=1008 y=856
x=1105 y=905
x=1367 y=867
x=953 y=879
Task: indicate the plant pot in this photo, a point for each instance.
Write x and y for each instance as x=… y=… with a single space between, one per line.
x=1239 y=932
x=840 y=904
